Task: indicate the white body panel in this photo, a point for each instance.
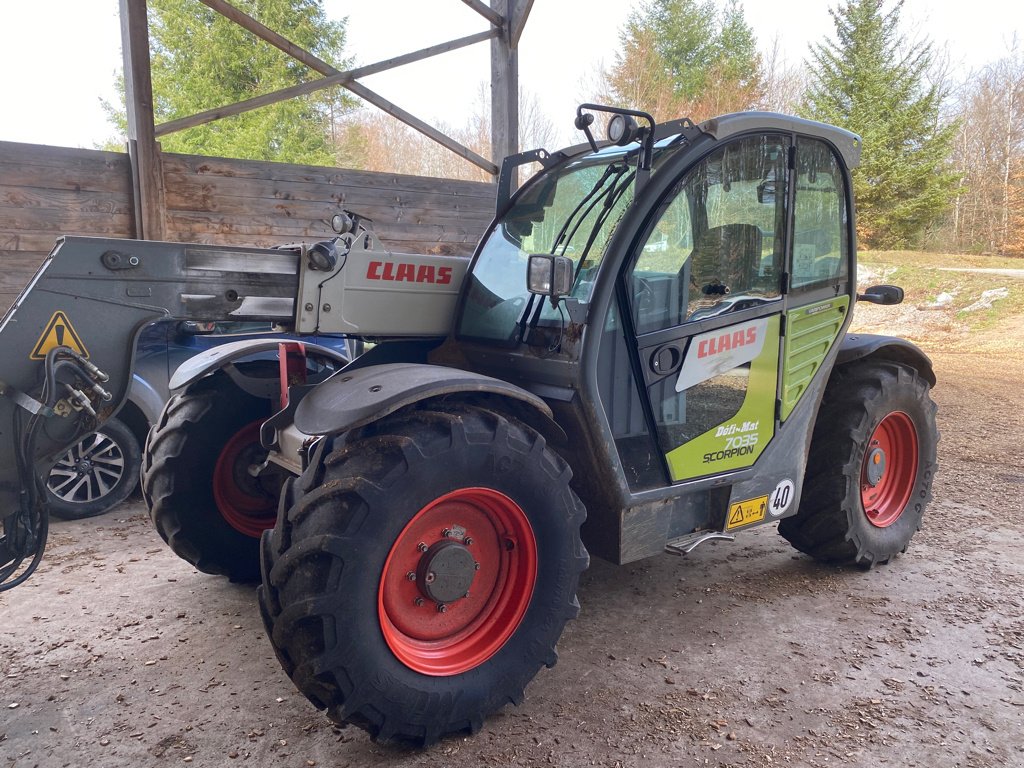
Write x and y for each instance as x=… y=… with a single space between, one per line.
x=376 y=292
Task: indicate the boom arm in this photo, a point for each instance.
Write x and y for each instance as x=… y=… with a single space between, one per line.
x=68 y=342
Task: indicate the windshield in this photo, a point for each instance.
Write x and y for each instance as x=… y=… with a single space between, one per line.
x=572 y=211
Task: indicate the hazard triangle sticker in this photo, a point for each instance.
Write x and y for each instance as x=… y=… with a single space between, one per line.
x=59 y=333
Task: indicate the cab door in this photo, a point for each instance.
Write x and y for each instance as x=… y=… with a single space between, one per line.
x=704 y=295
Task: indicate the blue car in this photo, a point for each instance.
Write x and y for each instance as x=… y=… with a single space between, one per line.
x=103 y=469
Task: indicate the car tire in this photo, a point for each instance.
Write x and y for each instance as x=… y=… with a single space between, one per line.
x=96 y=474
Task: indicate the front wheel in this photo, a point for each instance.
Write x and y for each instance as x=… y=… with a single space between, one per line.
x=423 y=575
x=871 y=466
x=206 y=480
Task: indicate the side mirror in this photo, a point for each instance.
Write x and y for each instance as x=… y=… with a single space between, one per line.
x=882 y=294
x=549 y=275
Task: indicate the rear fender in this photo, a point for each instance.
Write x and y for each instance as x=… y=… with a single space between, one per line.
x=860 y=346
x=355 y=397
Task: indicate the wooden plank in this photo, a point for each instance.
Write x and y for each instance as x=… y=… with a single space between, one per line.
x=60 y=201
x=395 y=244
x=201 y=222
x=69 y=223
x=99 y=178
x=62 y=157
x=307 y=213
x=27 y=241
x=255 y=169
x=268 y=194
x=17 y=268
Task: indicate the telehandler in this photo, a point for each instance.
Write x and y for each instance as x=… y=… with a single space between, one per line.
x=648 y=351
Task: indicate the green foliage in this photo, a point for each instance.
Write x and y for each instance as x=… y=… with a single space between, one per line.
x=685 y=56
x=201 y=60
x=872 y=82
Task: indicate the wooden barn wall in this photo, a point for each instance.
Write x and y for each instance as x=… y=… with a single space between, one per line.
x=49 y=191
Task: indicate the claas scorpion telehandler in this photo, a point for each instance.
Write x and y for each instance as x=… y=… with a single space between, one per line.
x=647 y=351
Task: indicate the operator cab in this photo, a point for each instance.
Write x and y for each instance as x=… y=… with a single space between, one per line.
x=697 y=254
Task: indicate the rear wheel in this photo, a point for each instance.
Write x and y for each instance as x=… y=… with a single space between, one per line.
x=422 y=576
x=209 y=495
x=871 y=466
x=94 y=475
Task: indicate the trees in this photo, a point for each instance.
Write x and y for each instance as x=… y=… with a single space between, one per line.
x=869 y=81
x=685 y=57
x=988 y=153
x=201 y=60
x=375 y=141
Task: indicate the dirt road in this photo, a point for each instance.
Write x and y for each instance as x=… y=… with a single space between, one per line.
x=742 y=654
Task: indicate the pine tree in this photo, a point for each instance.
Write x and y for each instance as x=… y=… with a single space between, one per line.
x=685 y=58
x=201 y=60
x=872 y=82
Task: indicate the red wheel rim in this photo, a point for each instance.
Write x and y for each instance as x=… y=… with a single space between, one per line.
x=479 y=539
x=242 y=501
x=889 y=470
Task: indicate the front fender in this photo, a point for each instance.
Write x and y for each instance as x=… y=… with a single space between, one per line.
x=353 y=398
x=858 y=346
x=215 y=358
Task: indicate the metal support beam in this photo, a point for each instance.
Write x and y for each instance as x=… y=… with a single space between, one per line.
x=143 y=151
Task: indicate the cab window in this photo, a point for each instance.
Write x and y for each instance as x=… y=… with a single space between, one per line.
x=820 y=224
x=717 y=245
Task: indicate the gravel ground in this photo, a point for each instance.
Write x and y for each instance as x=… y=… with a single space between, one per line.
x=741 y=654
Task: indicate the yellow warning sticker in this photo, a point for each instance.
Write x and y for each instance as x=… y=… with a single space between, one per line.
x=59 y=333
x=746 y=512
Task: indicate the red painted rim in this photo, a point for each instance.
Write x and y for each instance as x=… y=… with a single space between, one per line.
x=242 y=501
x=892 y=450
x=495 y=532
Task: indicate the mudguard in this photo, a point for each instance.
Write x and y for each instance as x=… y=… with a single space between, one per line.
x=352 y=398
x=217 y=357
x=860 y=345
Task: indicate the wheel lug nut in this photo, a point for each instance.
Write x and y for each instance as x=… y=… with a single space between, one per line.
x=442 y=608
x=445 y=532
x=467 y=541
x=411 y=576
x=476 y=566
x=418 y=602
x=421 y=547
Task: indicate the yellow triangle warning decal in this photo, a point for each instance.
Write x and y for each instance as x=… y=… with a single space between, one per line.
x=59 y=333
x=737 y=516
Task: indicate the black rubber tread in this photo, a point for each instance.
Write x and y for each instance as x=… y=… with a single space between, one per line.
x=830 y=524
x=119 y=432
x=177 y=477
x=323 y=561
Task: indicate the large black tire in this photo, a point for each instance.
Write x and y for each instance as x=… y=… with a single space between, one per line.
x=96 y=474
x=195 y=479
x=335 y=571
x=874 y=414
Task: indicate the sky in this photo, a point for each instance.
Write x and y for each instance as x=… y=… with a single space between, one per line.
x=59 y=58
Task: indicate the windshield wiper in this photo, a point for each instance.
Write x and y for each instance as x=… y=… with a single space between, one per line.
x=592 y=197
